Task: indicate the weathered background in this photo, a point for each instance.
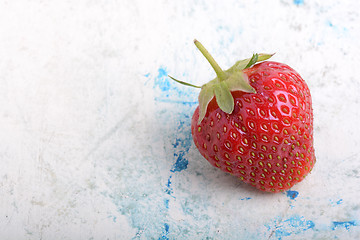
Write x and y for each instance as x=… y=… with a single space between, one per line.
x=95 y=140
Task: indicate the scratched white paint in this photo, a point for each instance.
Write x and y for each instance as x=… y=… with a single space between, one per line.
x=95 y=140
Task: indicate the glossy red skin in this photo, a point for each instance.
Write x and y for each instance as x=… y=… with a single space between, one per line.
x=267 y=141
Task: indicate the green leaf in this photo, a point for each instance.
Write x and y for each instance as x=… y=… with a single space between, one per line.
x=238 y=81
x=205 y=96
x=224 y=98
x=252 y=61
x=242 y=64
x=239 y=65
x=264 y=56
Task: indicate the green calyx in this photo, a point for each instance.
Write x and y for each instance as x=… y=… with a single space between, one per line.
x=233 y=79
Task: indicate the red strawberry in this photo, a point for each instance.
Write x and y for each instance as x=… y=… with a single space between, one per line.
x=256 y=122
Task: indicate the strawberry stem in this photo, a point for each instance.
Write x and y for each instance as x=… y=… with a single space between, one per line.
x=219 y=72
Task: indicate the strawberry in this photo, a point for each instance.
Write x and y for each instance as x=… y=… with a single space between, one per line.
x=255 y=121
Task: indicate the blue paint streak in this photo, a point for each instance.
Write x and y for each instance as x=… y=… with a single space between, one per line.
x=168 y=191
x=336 y=202
x=161 y=80
x=246 y=198
x=346 y=224
x=168 y=186
x=170 y=91
x=166 y=203
x=162 y=72
x=182 y=102
x=166 y=227
x=169 y=182
x=166 y=100
x=165 y=232
x=339 y=202
x=181 y=162
x=182 y=145
x=294 y=225
x=338 y=30
x=292 y=194
x=298 y=2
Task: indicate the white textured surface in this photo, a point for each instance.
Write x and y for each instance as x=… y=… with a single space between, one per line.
x=95 y=140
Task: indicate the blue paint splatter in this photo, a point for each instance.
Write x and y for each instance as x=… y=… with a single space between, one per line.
x=166 y=227
x=171 y=92
x=181 y=148
x=162 y=72
x=166 y=203
x=168 y=186
x=294 y=225
x=181 y=101
x=169 y=192
x=181 y=162
x=346 y=224
x=133 y=203
x=292 y=194
x=245 y=198
x=182 y=145
x=165 y=232
x=190 y=103
x=336 y=201
x=298 y=2
x=161 y=81
x=168 y=93
x=339 y=30
x=169 y=183
x=339 y=202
